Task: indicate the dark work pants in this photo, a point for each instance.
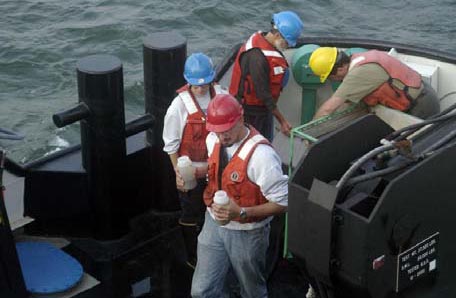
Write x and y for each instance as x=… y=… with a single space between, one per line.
x=426 y=104
x=192 y=204
x=261 y=119
x=192 y=218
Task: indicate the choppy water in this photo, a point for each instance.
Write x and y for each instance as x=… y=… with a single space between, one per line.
x=40 y=42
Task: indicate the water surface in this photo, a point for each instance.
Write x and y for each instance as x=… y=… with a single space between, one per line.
x=41 y=41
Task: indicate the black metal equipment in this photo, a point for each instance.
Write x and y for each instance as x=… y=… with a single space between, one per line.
x=164 y=55
x=103 y=138
x=11 y=279
x=377 y=221
x=124 y=191
x=101 y=111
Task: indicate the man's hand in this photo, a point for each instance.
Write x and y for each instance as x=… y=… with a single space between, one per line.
x=285 y=127
x=232 y=211
x=226 y=212
x=329 y=107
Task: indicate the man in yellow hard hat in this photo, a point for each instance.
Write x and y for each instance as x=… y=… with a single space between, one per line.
x=373 y=77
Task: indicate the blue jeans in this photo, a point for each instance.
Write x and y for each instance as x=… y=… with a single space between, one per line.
x=220 y=249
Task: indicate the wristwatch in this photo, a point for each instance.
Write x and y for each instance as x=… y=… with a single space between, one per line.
x=243 y=213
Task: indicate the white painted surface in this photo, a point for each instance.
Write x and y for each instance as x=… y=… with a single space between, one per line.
x=87 y=282
x=14 y=200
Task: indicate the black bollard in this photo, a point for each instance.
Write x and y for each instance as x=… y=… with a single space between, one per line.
x=164 y=56
x=79 y=112
x=164 y=59
x=139 y=124
x=100 y=87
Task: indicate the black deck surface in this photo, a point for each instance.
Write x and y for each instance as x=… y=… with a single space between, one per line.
x=285 y=282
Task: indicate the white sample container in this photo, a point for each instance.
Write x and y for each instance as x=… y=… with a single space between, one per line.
x=187 y=171
x=222 y=199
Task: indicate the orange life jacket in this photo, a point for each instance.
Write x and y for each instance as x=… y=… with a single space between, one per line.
x=234 y=179
x=278 y=66
x=193 y=142
x=388 y=94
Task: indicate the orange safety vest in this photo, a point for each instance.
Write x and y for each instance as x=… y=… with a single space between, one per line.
x=278 y=66
x=388 y=94
x=234 y=179
x=193 y=142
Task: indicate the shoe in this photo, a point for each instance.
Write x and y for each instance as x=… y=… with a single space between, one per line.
x=311 y=293
x=183 y=222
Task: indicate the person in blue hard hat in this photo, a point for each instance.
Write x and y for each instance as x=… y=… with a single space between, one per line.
x=261 y=71
x=184 y=134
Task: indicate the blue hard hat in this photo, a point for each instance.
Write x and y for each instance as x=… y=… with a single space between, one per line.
x=289 y=25
x=199 y=69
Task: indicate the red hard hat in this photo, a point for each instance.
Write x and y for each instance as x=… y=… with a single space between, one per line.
x=223 y=113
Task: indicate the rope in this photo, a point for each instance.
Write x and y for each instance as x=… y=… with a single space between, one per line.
x=7 y=134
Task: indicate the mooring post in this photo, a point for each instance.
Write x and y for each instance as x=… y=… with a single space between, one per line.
x=103 y=140
x=164 y=56
x=100 y=88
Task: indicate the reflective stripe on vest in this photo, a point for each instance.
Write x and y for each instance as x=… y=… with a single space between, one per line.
x=267 y=53
x=278 y=68
x=188 y=102
x=249 y=145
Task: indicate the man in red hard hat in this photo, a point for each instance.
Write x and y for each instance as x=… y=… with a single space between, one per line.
x=243 y=164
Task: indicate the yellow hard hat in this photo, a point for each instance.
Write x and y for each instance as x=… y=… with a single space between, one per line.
x=322 y=61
